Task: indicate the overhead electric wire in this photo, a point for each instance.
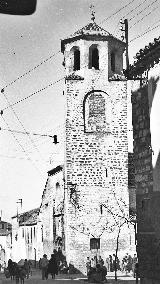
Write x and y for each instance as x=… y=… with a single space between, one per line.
x=134 y=8
x=34 y=93
x=143 y=10
x=145 y=32
x=21 y=146
x=16 y=157
x=127 y=15
x=30 y=70
x=143 y=17
x=115 y=13
x=15 y=114
x=27 y=133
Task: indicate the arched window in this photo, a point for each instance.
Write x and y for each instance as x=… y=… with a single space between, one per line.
x=93 y=57
x=57 y=185
x=95 y=112
x=76 y=59
x=113 y=62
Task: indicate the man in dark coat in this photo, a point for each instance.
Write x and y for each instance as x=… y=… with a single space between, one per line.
x=52 y=266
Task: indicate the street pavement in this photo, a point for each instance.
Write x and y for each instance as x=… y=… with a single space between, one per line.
x=69 y=279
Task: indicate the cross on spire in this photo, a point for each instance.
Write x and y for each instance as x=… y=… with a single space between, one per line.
x=92 y=12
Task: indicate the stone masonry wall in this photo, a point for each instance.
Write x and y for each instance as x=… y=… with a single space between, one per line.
x=147 y=201
x=96 y=171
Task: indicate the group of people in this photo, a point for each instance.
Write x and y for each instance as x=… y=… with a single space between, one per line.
x=128 y=264
x=96 y=270
x=48 y=266
x=18 y=271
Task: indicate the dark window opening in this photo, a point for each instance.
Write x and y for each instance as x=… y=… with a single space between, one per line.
x=22 y=233
x=34 y=230
x=113 y=66
x=42 y=233
x=106 y=173
x=101 y=209
x=31 y=235
x=93 y=58
x=76 y=60
x=94 y=243
x=57 y=185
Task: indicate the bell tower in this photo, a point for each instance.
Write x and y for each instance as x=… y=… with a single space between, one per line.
x=96 y=146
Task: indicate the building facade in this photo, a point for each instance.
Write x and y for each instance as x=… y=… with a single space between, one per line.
x=24 y=236
x=5 y=242
x=51 y=214
x=96 y=203
x=146 y=134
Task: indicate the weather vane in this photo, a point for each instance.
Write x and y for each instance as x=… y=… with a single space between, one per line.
x=92 y=12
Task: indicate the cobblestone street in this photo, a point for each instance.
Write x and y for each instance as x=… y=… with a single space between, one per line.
x=69 y=279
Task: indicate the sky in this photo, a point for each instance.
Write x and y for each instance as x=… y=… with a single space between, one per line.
x=31 y=63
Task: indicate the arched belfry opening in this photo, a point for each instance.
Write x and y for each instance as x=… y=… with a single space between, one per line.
x=76 y=58
x=93 y=57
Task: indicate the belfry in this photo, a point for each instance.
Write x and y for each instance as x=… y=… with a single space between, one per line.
x=96 y=201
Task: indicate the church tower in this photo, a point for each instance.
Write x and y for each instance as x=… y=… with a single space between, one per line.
x=96 y=147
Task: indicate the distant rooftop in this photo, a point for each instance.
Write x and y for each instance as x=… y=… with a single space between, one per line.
x=5 y=228
x=28 y=217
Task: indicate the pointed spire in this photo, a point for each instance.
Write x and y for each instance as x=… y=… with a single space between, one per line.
x=92 y=12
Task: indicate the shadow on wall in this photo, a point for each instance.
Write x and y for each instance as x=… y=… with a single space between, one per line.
x=156 y=174
x=154 y=106
x=152 y=87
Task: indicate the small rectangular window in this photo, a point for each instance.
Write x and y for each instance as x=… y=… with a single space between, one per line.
x=106 y=173
x=94 y=243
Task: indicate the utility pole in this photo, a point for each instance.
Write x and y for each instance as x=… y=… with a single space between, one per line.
x=19 y=202
x=124 y=28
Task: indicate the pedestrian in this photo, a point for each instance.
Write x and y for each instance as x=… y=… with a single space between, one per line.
x=137 y=272
x=108 y=264
x=88 y=265
x=101 y=261
x=95 y=261
x=134 y=261
x=52 y=266
x=26 y=268
x=111 y=263
x=44 y=266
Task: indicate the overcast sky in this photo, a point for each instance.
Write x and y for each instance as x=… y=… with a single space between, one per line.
x=28 y=42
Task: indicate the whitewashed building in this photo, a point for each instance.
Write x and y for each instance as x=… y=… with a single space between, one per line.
x=5 y=242
x=24 y=235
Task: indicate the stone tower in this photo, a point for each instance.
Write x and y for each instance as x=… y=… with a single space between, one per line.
x=96 y=149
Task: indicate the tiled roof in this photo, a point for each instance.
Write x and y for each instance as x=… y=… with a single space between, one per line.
x=91 y=29
x=28 y=218
x=55 y=170
x=146 y=58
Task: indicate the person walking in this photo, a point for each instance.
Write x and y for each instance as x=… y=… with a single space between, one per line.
x=26 y=268
x=44 y=266
x=52 y=266
x=88 y=265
